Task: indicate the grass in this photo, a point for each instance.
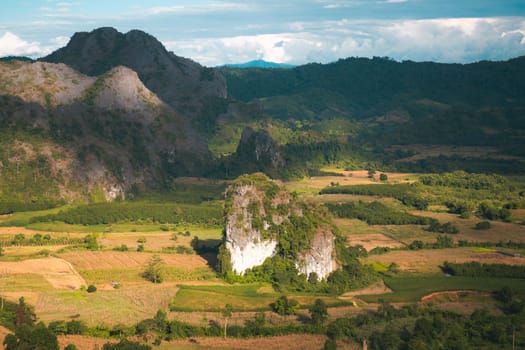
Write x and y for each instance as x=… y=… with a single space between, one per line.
x=21 y=219
x=212 y=298
x=127 y=305
x=24 y=282
x=412 y=287
x=243 y=297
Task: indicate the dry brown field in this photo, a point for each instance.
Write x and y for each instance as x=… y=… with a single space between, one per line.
x=58 y=272
x=94 y=260
x=357 y=177
x=429 y=260
x=294 y=341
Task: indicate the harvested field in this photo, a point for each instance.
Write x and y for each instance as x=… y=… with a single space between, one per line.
x=127 y=305
x=429 y=260
x=358 y=177
x=372 y=240
x=92 y=260
x=499 y=231
x=293 y=341
x=58 y=272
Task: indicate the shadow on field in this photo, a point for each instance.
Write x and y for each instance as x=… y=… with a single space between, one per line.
x=207 y=249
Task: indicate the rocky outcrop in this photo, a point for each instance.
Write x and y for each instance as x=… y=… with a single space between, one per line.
x=113 y=131
x=257 y=152
x=262 y=221
x=320 y=257
x=247 y=246
x=180 y=82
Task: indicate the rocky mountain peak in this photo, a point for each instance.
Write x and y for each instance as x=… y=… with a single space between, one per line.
x=182 y=83
x=121 y=88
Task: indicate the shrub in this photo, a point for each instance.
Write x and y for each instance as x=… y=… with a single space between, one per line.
x=91 y=289
x=482 y=225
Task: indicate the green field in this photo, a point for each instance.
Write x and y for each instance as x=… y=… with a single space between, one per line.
x=243 y=297
x=412 y=287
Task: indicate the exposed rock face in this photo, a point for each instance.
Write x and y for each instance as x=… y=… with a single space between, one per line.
x=178 y=81
x=256 y=211
x=245 y=243
x=257 y=151
x=112 y=131
x=320 y=258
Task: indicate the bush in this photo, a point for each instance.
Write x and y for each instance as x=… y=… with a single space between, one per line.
x=91 y=289
x=482 y=225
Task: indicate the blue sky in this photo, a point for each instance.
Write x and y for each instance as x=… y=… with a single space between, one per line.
x=296 y=31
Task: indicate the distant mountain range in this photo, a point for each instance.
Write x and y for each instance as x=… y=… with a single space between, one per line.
x=259 y=64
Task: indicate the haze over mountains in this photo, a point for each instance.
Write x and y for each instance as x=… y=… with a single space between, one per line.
x=117 y=113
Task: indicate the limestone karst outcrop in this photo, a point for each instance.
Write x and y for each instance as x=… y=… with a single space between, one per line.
x=264 y=220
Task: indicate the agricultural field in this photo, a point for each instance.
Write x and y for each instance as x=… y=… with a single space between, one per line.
x=51 y=262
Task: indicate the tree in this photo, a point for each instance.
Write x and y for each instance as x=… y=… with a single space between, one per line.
x=31 y=337
x=284 y=306
x=227 y=313
x=91 y=289
x=313 y=278
x=319 y=312
x=24 y=314
x=154 y=271
x=383 y=177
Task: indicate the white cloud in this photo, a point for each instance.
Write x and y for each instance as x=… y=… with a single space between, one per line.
x=193 y=9
x=442 y=40
x=12 y=45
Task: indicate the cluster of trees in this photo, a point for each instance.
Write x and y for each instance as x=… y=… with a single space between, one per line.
x=10 y=206
x=406 y=193
x=108 y=213
x=447 y=227
x=444 y=241
x=38 y=240
x=476 y=269
x=415 y=327
x=487 y=210
x=375 y=213
x=462 y=179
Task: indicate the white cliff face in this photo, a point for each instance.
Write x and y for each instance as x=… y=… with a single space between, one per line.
x=250 y=242
x=250 y=255
x=320 y=258
x=245 y=243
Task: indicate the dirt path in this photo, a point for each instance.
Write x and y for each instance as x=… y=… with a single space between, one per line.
x=58 y=272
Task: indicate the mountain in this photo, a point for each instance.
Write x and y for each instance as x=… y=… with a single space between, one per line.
x=112 y=113
x=65 y=133
x=259 y=64
x=383 y=112
x=185 y=85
